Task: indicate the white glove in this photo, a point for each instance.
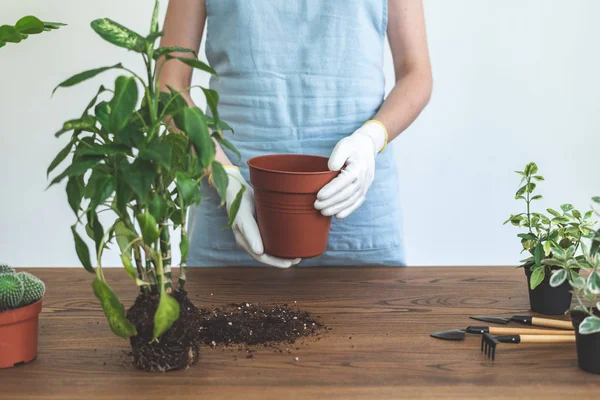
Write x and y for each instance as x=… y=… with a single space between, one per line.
x=244 y=225
x=357 y=152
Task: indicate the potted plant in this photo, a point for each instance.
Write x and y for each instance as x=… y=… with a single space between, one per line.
x=586 y=315
x=20 y=305
x=127 y=161
x=24 y=27
x=559 y=230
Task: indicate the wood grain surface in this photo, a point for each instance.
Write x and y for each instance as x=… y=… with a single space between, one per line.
x=379 y=346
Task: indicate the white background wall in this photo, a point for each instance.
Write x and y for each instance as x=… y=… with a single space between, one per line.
x=515 y=80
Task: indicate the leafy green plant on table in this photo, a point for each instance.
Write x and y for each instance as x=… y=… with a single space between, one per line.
x=24 y=27
x=127 y=160
x=563 y=230
x=586 y=292
x=18 y=289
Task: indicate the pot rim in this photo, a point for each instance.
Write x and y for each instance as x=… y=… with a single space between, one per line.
x=20 y=314
x=249 y=162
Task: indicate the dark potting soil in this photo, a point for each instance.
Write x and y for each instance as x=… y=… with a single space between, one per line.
x=243 y=324
x=177 y=348
x=256 y=324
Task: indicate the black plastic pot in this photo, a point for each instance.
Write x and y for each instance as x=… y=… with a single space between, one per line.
x=545 y=299
x=588 y=346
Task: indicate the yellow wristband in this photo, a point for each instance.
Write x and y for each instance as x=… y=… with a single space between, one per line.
x=210 y=182
x=384 y=129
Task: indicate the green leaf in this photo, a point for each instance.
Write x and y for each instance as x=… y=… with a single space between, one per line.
x=159 y=153
x=537 y=277
x=225 y=143
x=113 y=309
x=573 y=275
x=103 y=186
x=558 y=277
x=123 y=235
x=85 y=123
x=566 y=207
x=187 y=188
x=119 y=35
x=537 y=197
x=593 y=283
x=554 y=212
x=530 y=187
x=79 y=167
x=596 y=199
x=110 y=149
x=588 y=215
x=10 y=34
x=163 y=51
x=139 y=176
x=149 y=227
x=235 y=207
x=578 y=282
x=220 y=180
x=29 y=25
x=166 y=314
x=82 y=251
x=576 y=214
x=527 y=236
x=520 y=192
x=531 y=168
x=212 y=100
x=220 y=126
x=538 y=178
x=128 y=266
x=60 y=157
x=122 y=105
x=48 y=26
x=158 y=207
x=102 y=111
x=590 y=325
x=2 y=44
x=95 y=228
x=195 y=126
x=75 y=193
x=547 y=248
x=538 y=254
x=154 y=21
x=194 y=63
x=83 y=76
x=560 y=220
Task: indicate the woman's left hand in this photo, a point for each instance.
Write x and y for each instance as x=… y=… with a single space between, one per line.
x=357 y=152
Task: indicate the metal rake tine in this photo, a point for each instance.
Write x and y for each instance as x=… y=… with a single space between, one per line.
x=488 y=346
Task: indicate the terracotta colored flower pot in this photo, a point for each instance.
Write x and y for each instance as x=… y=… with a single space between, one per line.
x=19 y=335
x=285 y=190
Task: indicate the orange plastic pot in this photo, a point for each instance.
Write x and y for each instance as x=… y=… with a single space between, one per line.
x=285 y=190
x=19 y=335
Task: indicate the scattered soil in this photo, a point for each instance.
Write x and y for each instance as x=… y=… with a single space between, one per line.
x=246 y=325
x=178 y=347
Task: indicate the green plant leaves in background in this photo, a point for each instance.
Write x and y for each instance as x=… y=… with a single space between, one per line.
x=538 y=254
x=113 y=309
x=196 y=127
x=148 y=227
x=194 y=63
x=537 y=277
x=138 y=175
x=166 y=314
x=60 y=157
x=163 y=51
x=590 y=325
x=119 y=35
x=227 y=144
x=220 y=180
x=129 y=269
x=10 y=34
x=82 y=251
x=212 y=100
x=593 y=283
x=187 y=188
x=24 y=27
x=85 y=75
x=123 y=103
x=29 y=25
x=154 y=20
x=75 y=193
x=558 y=277
x=85 y=123
x=235 y=206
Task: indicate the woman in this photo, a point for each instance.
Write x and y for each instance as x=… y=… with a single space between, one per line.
x=306 y=76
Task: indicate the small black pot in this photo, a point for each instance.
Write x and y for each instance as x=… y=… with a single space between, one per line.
x=588 y=346
x=546 y=299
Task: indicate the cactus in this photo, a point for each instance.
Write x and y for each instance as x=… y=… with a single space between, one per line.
x=5 y=269
x=34 y=288
x=11 y=291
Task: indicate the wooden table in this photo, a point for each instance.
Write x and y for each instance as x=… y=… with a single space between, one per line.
x=379 y=347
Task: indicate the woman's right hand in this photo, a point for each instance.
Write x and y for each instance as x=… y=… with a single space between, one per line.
x=244 y=225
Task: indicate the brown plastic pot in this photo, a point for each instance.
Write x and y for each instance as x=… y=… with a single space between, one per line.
x=19 y=335
x=285 y=190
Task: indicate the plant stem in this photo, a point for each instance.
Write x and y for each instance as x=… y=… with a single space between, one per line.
x=183 y=265
x=528 y=200
x=165 y=249
x=139 y=266
x=150 y=271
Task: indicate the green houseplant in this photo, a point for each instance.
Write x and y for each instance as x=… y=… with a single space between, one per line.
x=128 y=161
x=559 y=230
x=586 y=315
x=24 y=27
x=20 y=304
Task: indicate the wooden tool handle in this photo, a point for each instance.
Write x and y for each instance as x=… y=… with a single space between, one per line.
x=524 y=331
x=552 y=323
x=547 y=339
